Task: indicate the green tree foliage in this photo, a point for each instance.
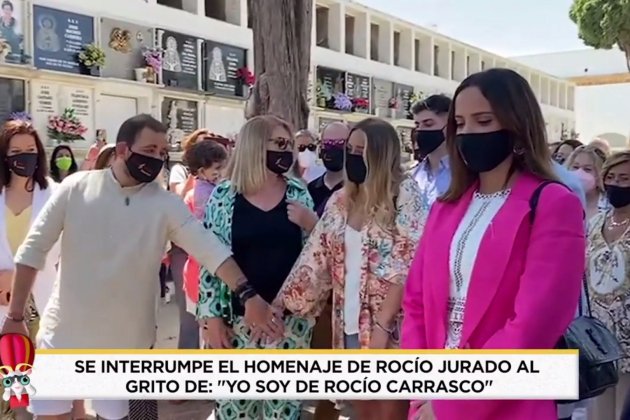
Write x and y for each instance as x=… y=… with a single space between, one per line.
x=603 y=24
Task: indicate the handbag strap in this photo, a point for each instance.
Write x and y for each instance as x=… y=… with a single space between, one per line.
x=533 y=204
x=587 y=296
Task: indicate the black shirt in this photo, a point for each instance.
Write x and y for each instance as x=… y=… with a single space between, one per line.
x=321 y=193
x=265 y=245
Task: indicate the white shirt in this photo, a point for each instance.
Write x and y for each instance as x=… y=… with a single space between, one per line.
x=112 y=245
x=352 y=286
x=313 y=172
x=464 y=248
x=178 y=174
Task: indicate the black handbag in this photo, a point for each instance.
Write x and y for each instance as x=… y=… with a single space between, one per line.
x=599 y=350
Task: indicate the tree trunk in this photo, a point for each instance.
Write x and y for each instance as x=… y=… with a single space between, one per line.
x=282 y=59
x=625 y=47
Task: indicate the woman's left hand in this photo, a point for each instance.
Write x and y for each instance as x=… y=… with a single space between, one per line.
x=379 y=339
x=301 y=216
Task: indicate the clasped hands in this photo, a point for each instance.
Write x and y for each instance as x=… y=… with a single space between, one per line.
x=264 y=321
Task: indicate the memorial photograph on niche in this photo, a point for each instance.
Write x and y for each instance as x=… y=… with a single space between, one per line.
x=123 y=43
x=181 y=118
x=12 y=98
x=12 y=32
x=59 y=36
x=180 y=63
x=222 y=63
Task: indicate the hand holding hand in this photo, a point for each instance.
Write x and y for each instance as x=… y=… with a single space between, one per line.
x=260 y=315
x=301 y=216
x=216 y=334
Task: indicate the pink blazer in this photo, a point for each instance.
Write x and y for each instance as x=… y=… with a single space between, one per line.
x=524 y=290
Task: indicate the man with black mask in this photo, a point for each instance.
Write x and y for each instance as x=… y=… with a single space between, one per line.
x=116 y=224
x=433 y=173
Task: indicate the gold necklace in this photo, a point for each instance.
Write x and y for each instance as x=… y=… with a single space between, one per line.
x=613 y=224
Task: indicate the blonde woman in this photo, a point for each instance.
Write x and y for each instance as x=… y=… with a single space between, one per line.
x=249 y=213
x=361 y=249
x=609 y=276
x=586 y=163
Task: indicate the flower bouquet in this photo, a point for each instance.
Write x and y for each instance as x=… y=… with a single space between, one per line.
x=342 y=102
x=66 y=127
x=360 y=104
x=92 y=57
x=20 y=116
x=153 y=65
x=246 y=76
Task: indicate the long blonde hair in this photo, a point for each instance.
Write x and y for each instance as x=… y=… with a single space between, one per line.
x=376 y=197
x=247 y=168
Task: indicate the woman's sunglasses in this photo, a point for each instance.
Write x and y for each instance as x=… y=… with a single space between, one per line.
x=310 y=147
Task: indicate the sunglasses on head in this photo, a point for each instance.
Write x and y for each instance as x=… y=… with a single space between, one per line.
x=310 y=147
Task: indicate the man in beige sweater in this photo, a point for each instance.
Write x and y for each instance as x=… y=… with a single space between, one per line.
x=116 y=224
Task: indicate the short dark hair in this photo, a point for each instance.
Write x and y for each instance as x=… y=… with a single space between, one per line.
x=440 y=104
x=6 y=3
x=129 y=130
x=54 y=170
x=8 y=131
x=203 y=155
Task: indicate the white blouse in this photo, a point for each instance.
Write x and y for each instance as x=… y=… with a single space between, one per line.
x=352 y=287
x=464 y=248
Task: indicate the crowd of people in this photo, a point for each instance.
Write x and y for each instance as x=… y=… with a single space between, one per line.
x=293 y=240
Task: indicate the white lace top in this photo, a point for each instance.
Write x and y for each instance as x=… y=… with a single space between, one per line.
x=466 y=242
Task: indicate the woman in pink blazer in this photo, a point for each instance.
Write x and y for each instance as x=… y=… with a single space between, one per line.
x=485 y=275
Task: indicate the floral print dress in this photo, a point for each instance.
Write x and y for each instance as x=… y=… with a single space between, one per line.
x=386 y=258
x=608 y=275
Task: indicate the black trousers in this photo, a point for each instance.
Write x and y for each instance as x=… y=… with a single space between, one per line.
x=163 y=280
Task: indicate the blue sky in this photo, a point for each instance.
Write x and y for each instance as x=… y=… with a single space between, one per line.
x=505 y=27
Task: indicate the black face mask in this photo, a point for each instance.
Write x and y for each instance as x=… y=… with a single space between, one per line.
x=618 y=196
x=428 y=140
x=279 y=162
x=482 y=152
x=355 y=168
x=333 y=158
x=142 y=168
x=417 y=155
x=23 y=164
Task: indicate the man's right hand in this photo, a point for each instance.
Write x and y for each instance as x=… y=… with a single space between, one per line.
x=216 y=334
x=14 y=327
x=260 y=315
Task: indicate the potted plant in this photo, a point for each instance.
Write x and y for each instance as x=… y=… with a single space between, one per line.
x=92 y=58
x=342 y=102
x=247 y=79
x=66 y=128
x=153 y=65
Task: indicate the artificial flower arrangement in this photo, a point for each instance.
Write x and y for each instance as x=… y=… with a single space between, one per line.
x=20 y=116
x=66 y=127
x=153 y=58
x=246 y=76
x=92 y=56
x=360 y=104
x=342 y=102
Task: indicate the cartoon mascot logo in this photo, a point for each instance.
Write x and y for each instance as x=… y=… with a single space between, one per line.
x=17 y=353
